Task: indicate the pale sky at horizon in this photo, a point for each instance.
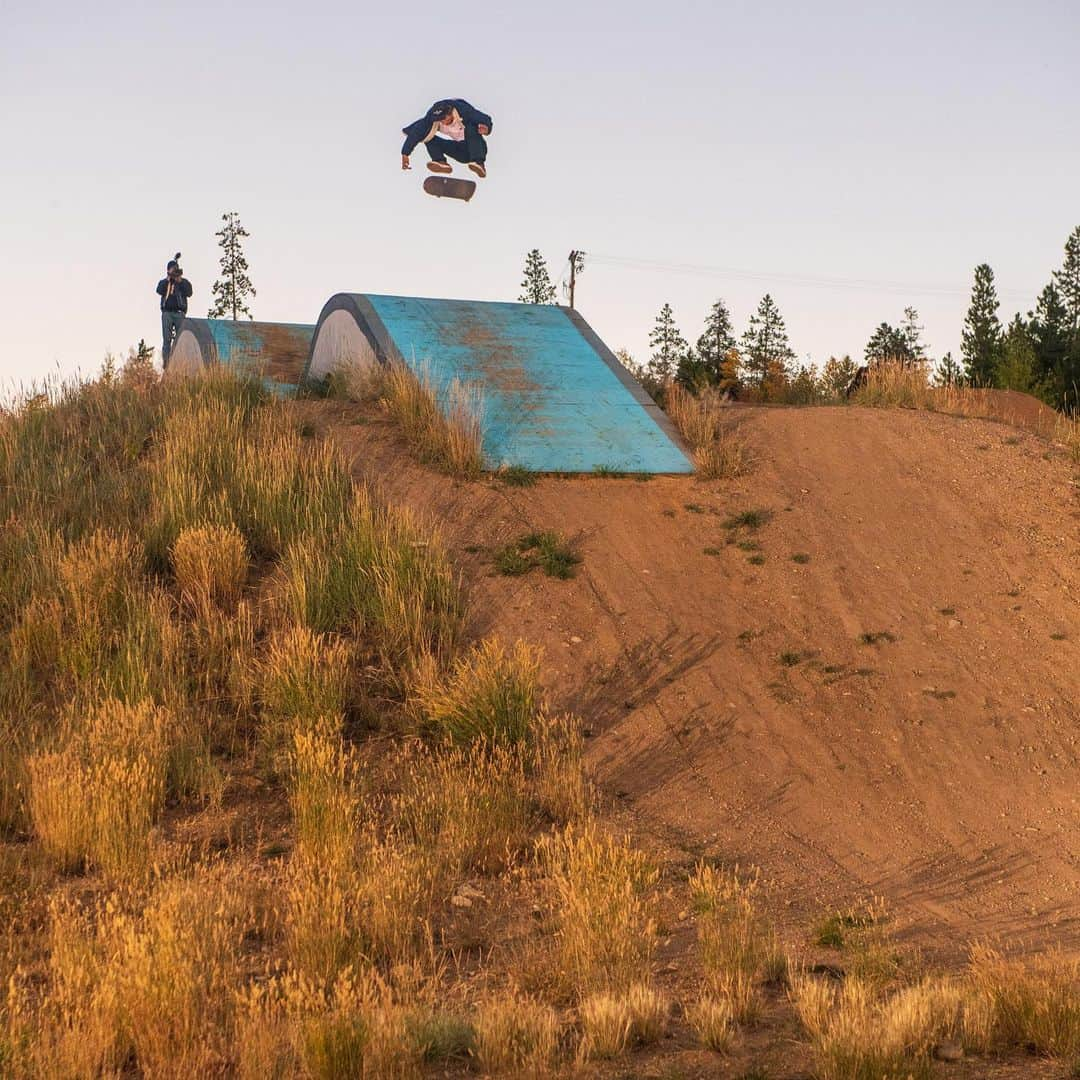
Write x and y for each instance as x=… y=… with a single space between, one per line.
x=801 y=144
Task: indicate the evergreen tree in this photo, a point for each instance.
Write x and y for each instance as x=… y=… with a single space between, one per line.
x=805 y=387
x=1047 y=325
x=669 y=347
x=1067 y=280
x=915 y=351
x=949 y=372
x=1017 y=369
x=713 y=347
x=1066 y=381
x=888 y=345
x=234 y=286
x=766 y=353
x=837 y=374
x=536 y=288
x=982 y=330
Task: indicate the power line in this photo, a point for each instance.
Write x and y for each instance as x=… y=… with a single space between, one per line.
x=805 y=280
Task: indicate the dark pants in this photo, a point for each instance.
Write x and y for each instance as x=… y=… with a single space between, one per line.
x=473 y=148
x=170 y=330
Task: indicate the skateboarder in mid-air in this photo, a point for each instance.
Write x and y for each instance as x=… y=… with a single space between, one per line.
x=451 y=128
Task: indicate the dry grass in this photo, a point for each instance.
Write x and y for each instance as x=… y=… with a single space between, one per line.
x=604 y=926
x=211 y=566
x=739 y=949
x=378 y=574
x=859 y=1033
x=713 y=1021
x=95 y=798
x=611 y=1023
x=469 y=809
x=444 y=426
x=1032 y=1004
x=488 y=695
x=718 y=451
x=516 y=1036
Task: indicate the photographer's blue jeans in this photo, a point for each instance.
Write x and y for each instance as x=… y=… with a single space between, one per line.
x=170 y=329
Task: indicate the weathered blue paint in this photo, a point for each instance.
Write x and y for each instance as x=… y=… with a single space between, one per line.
x=555 y=398
x=276 y=351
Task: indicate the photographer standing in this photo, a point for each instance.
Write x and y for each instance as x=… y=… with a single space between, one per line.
x=174 y=290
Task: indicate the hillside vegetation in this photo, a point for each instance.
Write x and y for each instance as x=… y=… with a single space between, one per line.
x=277 y=802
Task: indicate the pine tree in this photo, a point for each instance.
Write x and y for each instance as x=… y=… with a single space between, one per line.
x=536 y=288
x=766 y=353
x=1067 y=280
x=981 y=339
x=912 y=333
x=669 y=347
x=713 y=347
x=1066 y=382
x=949 y=372
x=233 y=288
x=837 y=374
x=1017 y=369
x=888 y=345
x=1047 y=325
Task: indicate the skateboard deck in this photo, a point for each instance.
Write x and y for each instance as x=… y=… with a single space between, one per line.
x=450 y=187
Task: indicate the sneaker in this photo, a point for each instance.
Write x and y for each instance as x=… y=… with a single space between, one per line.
x=478 y=168
x=440 y=167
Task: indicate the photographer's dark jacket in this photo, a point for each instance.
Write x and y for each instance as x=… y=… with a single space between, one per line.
x=174 y=294
x=426 y=127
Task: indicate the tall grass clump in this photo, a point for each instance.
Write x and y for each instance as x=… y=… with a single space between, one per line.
x=303 y=685
x=614 y=1022
x=97 y=796
x=717 y=450
x=211 y=565
x=604 y=927
x=488 y=694
x=470 y=809
x=1033 y=1003
x=378 y=574
x=738 y=948
x=858 y=1033
x=218 y=463
x=444 y=426
x=516 y=1036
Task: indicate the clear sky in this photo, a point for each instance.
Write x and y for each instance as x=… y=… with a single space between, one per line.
x=868 y=141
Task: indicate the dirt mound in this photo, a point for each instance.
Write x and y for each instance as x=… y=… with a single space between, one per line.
x=1020 y=410
x=868 y=686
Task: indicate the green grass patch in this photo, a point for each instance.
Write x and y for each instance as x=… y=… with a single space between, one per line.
x=756 y=560
x=553 y=553
x=748 y=519
x=790 y=659
x=800 y=557
x=518 y=476
x=876 y=637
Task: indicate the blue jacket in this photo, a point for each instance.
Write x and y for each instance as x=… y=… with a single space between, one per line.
x=421 y=130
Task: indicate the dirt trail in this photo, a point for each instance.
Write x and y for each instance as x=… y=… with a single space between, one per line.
x=736 y=710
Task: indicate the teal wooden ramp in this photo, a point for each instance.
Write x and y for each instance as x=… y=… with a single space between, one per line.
x=555 y=398
x=277 y=352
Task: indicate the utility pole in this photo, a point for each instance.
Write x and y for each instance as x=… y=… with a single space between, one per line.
x=577 y=264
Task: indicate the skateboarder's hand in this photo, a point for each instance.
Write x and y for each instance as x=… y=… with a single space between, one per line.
x=405 y=161
x=483 y=129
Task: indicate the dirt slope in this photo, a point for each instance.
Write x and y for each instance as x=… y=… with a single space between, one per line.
x=734 y=708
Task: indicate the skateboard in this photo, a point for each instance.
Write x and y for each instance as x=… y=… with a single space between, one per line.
x=450 y=187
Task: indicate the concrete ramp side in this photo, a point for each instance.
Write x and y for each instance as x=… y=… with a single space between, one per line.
x=555 y=397
x=278 y=352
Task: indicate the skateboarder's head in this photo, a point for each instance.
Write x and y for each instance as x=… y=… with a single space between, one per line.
x=441 y=110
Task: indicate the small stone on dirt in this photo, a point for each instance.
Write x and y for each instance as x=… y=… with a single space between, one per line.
x=460 y=901
x=948 y=1051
